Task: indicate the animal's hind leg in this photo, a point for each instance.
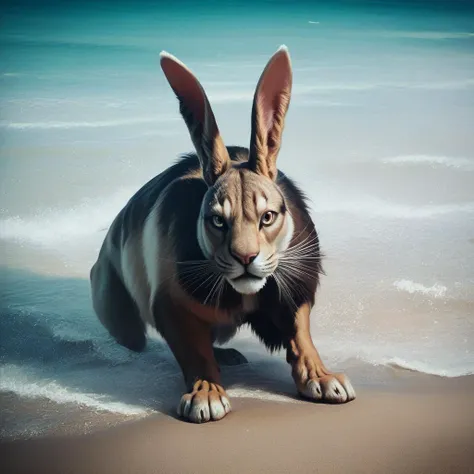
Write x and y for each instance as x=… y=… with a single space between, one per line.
x=115 y=308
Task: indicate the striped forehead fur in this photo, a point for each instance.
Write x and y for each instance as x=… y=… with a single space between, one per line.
x=246 y=191
x=227 y=209
x=261 y=203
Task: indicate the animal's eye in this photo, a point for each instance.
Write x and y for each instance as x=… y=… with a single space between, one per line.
x=217 y=221
x=268 y=218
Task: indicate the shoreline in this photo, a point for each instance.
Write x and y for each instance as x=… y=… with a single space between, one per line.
x=423 y=424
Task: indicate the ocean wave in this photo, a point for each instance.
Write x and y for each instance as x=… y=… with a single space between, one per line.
x=428 y=35
x=310 y=102
x=95 y=124
x=53 y=226
x=85 y=100
x=373 y=207
x=424 y=368
x=232 y=96
x=436 y=290
x=14 y=379
x=367 y=86
x=433 y=160
x=13 y=74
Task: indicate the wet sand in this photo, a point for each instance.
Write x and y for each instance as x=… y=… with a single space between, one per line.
x=423 y=426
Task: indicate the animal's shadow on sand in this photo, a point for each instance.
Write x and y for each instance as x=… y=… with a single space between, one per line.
x=51 y=338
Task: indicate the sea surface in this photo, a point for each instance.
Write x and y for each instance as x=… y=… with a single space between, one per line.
x=379 y=135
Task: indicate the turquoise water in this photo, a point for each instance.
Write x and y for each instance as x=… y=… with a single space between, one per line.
x=379 y=134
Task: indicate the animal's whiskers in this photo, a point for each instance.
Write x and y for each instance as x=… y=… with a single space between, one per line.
x=296 y=264
x=287 y=288
x=189 y=281
x=220 y=291
x=308 y=248
x=284 y=289
x=298 y=274
x=207 y=274
x=204 y=282
x=198 y=270
x=195 y=262
x=214 y=289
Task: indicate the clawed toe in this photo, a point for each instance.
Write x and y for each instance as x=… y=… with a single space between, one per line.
x=207 y=402
x=312 y=390
x=333 y=388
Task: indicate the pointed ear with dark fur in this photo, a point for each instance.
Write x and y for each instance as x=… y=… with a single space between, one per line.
x=197 y=113
x=270 y=104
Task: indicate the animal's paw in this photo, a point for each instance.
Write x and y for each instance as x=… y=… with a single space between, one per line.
x=332 y=388
x=208 y=401
x=316 y=383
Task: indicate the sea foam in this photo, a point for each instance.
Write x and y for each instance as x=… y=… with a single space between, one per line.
x=424 y=367
x=83 y=124
x=432 y=160
x=436 y=290
x=15 y=379
x=52 y=226
x=370 y=206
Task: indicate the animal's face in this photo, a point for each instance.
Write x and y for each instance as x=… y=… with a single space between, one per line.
x=244 y=223
x=244 y=226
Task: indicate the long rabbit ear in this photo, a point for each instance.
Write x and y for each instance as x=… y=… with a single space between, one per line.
x=270 y=104
x=197 y=113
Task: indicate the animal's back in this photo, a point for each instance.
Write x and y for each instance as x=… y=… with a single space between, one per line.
x=128 y=261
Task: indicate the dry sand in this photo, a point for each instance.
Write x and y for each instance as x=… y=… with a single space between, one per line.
x=424 y=426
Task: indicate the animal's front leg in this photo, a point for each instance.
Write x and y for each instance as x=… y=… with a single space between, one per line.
x=311 y=377
x=190 y=340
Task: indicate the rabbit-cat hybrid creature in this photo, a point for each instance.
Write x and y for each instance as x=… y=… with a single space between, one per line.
x=220 y=239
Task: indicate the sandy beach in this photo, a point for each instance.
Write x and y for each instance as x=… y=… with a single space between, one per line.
x=379 y=137
x=423 y=425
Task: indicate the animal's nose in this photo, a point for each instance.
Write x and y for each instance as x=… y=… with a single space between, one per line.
x=244 y=258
